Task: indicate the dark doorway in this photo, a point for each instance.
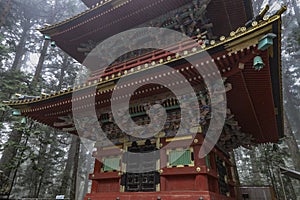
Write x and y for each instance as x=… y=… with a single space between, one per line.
x=141 y=175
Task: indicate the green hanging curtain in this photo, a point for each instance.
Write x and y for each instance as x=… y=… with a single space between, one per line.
x=207 y=160
x=110 y=164
x=180 y=157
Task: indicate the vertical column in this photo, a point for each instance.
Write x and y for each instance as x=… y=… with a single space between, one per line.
x=231 y=180
x=197 y=146
x=163 y=164
x=95 y=184
x=213 y=165
x=201 y=180
x=97 y=167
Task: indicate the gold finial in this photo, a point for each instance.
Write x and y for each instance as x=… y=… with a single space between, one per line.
x=264 y=11
x=282 y=10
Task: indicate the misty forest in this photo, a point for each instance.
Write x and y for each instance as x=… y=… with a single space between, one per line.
x=37 y=161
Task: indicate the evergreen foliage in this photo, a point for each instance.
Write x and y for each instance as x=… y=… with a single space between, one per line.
x=37 y=161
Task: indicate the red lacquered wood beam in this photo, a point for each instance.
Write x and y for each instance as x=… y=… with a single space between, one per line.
x=174 y=171
x=105 y=175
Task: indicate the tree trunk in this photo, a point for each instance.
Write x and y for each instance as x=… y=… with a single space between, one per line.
x=235 y=174
x=255 y=168
x=292 y=144
x=5 y=11
x=65 y=182
x=86 y=180
x=44 y=49
x=85 y=167
x=41 y=165
x=20 y=49
x=269 y=165
x=73 y=188
x=40 y=65
x=296 y=10
x=292 y=113
x=7 y=161
x=48 y=166
x=63 y=71
x=291 y=117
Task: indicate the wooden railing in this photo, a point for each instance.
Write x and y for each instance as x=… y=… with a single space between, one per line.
x=155 y=56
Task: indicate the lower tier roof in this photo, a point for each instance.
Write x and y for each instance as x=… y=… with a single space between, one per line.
x=255 y=98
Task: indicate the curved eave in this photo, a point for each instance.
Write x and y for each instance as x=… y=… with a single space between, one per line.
x=261 y=92
x=230 y=43
x=75 y=20
x=108 y=11
x=104 y=20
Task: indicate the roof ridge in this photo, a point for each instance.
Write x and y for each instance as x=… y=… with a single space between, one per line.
x=94 y=7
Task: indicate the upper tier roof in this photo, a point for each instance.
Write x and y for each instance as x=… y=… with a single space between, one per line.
x=111 y=17
x=247 y=3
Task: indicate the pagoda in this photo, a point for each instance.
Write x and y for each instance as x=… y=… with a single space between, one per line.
x=246 y=50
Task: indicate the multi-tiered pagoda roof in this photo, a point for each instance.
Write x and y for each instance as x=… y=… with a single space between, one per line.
x=246 y=51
